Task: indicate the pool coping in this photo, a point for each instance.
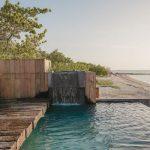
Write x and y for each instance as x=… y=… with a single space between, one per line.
x=121 y=100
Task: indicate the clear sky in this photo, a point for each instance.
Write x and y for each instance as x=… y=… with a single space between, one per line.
x=114 y=33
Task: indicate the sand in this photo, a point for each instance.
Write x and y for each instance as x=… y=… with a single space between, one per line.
x=125 y=87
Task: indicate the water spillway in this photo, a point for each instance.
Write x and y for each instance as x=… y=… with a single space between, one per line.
x=72 y=87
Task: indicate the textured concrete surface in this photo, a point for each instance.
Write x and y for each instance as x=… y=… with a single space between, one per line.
x=18 y=119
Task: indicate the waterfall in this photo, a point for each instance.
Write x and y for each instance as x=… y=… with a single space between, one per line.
x=68 y=87
x=65 y=95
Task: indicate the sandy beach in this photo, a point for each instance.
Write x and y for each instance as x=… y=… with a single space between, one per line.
x=124 y=87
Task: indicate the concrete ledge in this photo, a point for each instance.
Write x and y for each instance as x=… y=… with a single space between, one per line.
x=143 y=101
x=18 y=119
x=8 y=145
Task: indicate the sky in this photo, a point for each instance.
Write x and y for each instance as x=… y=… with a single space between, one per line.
x=113 y=33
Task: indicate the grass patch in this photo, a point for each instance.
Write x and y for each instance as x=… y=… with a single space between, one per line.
x=106 y=83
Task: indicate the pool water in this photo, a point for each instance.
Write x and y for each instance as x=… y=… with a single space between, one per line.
x=119 y=126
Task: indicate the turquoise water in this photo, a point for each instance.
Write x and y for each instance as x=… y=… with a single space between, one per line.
x=120 y=126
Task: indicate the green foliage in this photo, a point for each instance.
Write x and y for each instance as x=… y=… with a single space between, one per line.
x=62 y=63
x=106 y=83
x=99 y=70
x=68 y=67
x=56 y=57
x=27 y=48
x=16 y=21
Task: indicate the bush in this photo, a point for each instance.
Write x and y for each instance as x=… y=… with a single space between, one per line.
x=62 y=63
x=99 y=70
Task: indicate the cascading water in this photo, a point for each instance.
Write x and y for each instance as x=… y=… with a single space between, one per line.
x=65 y=95
x=71 y=87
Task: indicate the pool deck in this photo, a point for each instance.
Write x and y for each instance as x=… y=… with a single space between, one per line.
x=18 y=119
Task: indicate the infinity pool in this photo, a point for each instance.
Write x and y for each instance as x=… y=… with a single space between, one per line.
x=119 y=126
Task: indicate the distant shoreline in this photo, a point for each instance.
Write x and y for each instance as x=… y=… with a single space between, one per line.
x=133 y=73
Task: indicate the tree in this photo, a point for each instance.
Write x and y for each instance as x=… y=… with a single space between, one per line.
x=30 y=47
x=16 y=21
x=58 y=57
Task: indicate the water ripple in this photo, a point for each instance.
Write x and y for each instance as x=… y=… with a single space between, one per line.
x=101 y=127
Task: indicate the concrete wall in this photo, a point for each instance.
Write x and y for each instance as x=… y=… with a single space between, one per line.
x=23 y=78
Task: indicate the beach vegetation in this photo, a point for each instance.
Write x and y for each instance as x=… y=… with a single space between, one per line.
x=106 y=83
x=60 y=62
x=20 y=32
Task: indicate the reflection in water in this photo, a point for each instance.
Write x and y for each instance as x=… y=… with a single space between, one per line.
x=99 y=127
